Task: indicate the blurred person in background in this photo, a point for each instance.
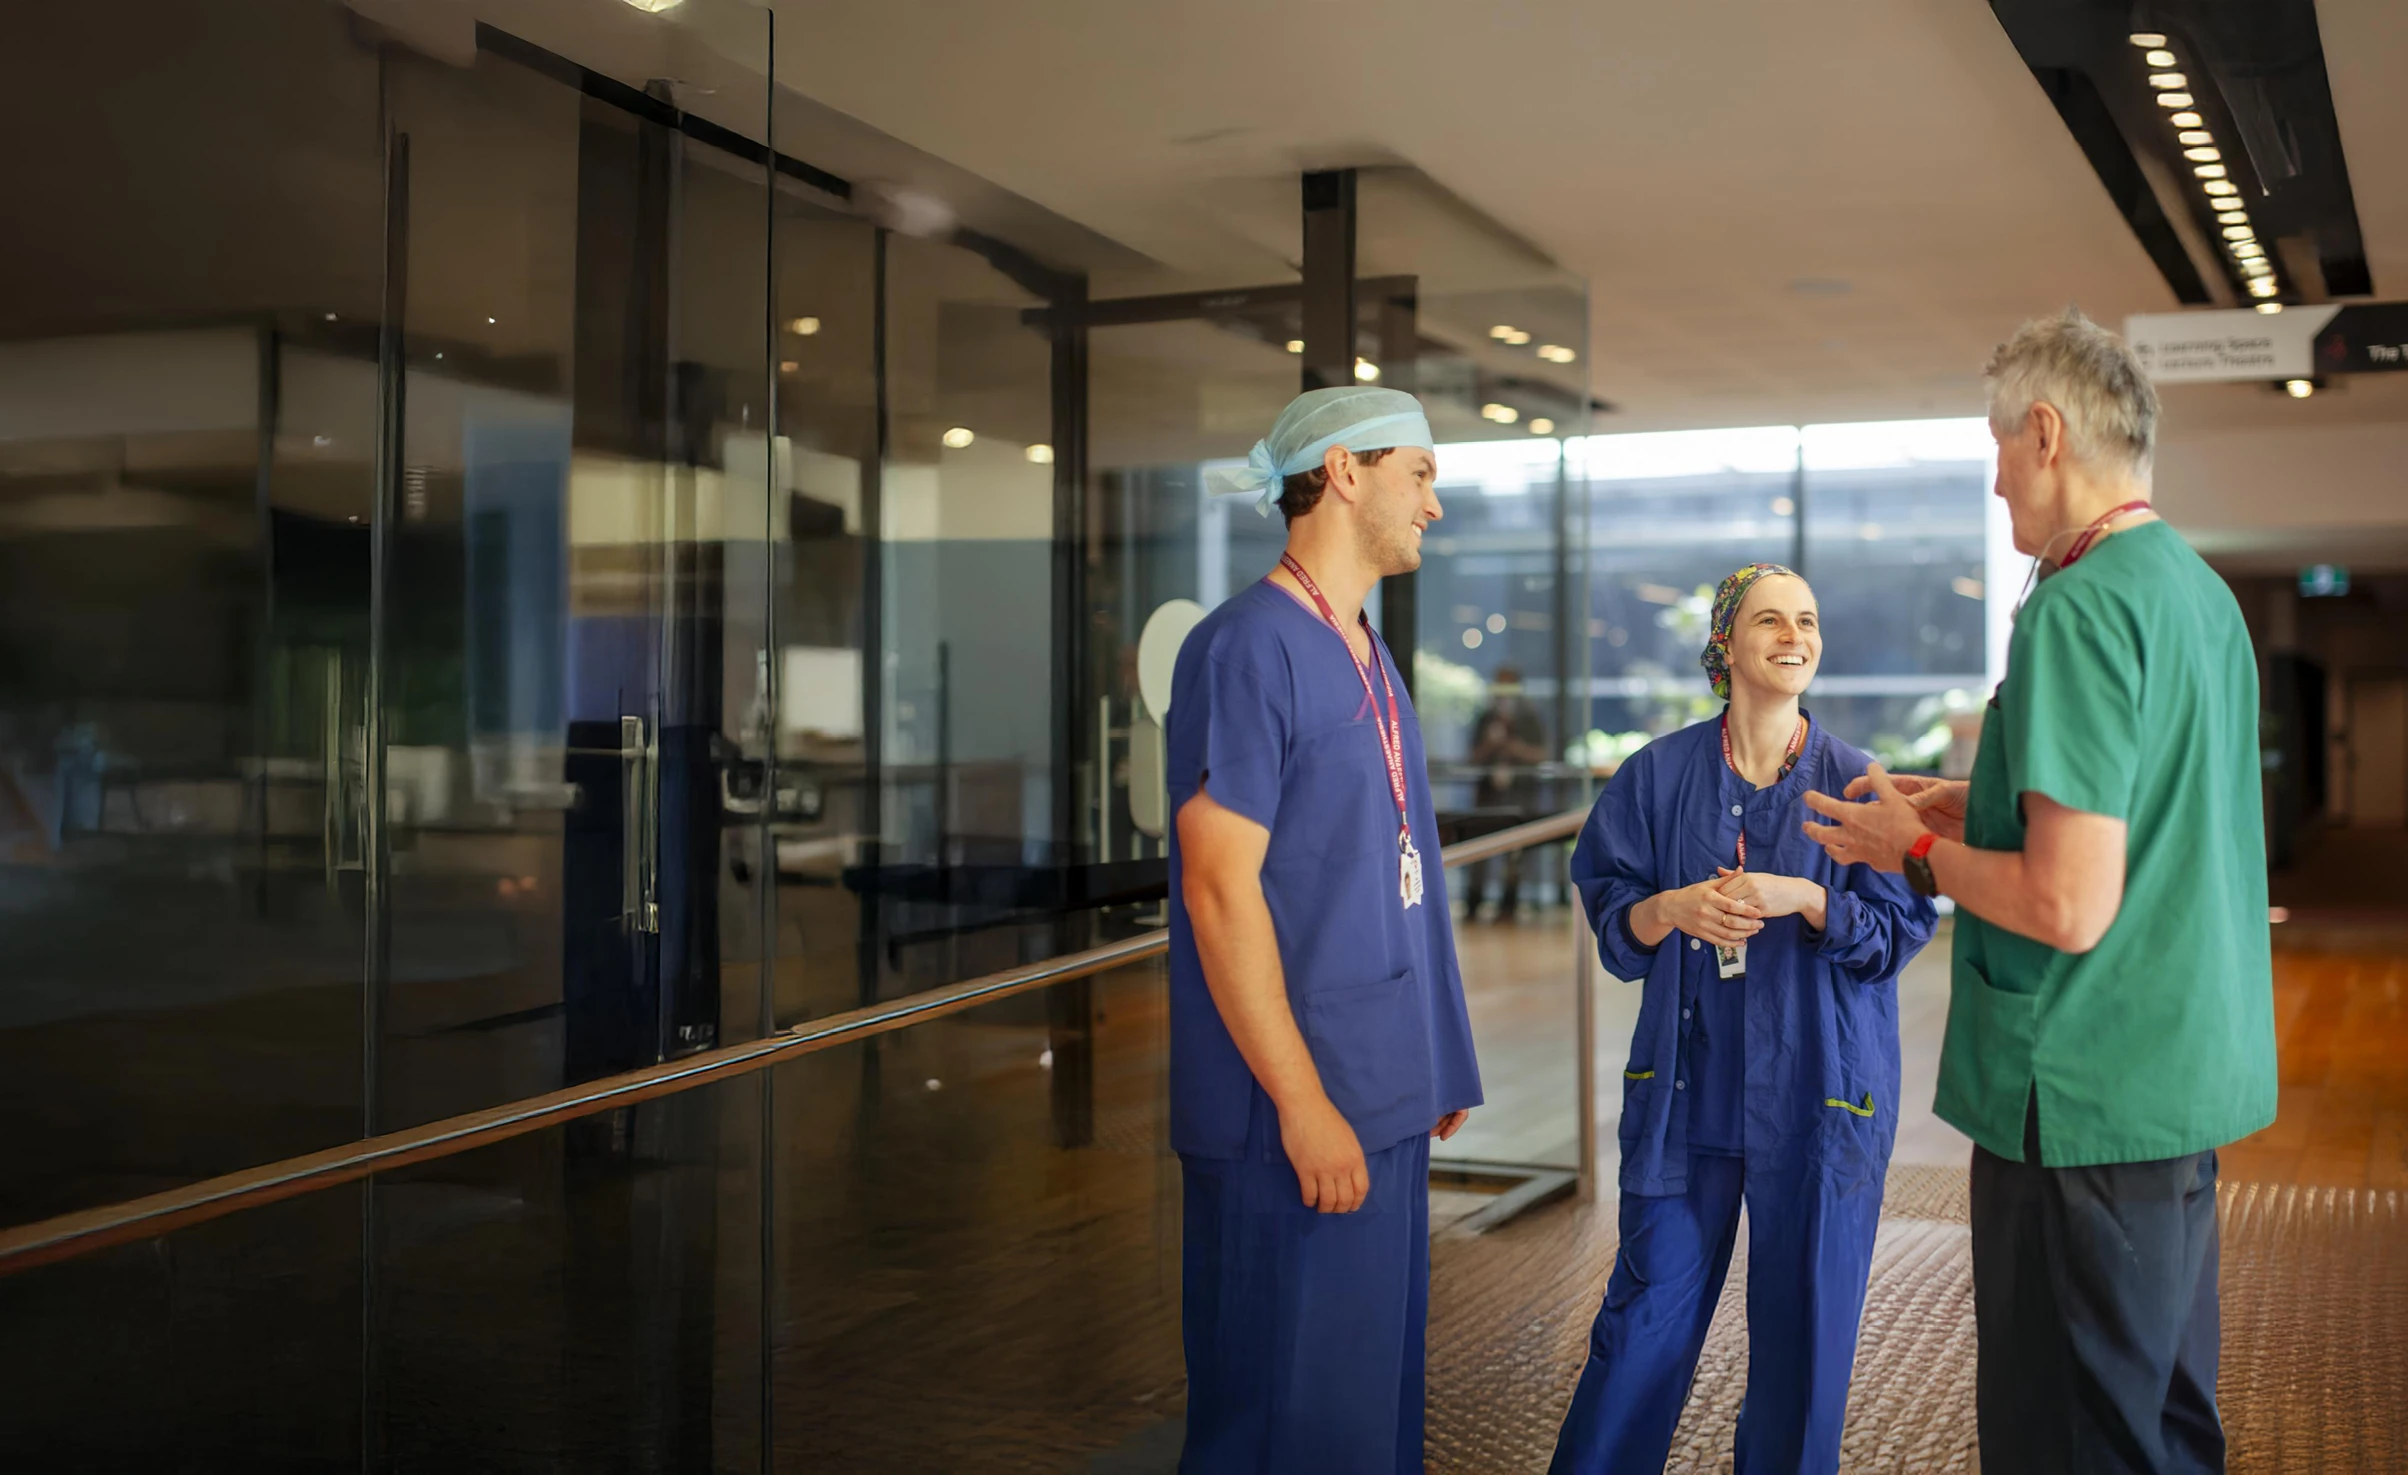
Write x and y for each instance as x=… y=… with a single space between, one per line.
x=1507 y=737
x=1764 y=1068
x=2111 y=1020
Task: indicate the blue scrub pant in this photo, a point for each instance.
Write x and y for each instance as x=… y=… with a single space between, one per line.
x=1810 y=1250
x=1304 y=1331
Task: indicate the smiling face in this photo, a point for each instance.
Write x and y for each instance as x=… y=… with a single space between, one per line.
x=1777 y=639
x=1398 y=498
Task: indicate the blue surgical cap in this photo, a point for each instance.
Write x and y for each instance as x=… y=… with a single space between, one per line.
x=1360 y=417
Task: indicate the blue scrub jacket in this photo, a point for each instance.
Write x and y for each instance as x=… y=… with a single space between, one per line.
x=1821 y=1008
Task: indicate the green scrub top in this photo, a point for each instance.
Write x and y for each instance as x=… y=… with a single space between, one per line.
x=2131 y=691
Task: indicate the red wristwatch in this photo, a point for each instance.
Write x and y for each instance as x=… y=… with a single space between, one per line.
x=1918 y=865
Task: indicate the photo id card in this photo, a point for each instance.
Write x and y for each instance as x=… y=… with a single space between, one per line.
x=1408 y=882
x=1730 y=962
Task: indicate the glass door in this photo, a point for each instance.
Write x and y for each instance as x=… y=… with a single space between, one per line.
x=571 y=588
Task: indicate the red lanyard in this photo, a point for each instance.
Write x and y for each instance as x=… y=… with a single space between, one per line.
x=2091 y=533
x=1789 y=760
x=1392 y=732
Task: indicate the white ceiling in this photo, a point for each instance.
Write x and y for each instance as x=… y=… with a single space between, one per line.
x=1785 y=212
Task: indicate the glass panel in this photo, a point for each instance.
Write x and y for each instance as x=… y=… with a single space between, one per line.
x=576 y=583
x=1671 y=514
x=828 y=428
x=1494 y=340
x=958 y=1289
x=1896 y=516
x=969 y=861
x=187 y=422
x=582 y=1299
x=233 y=1345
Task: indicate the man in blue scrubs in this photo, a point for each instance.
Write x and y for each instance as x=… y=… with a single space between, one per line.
x=1318 y=1033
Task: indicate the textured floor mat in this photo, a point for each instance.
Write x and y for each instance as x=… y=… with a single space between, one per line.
x=2315 y=1374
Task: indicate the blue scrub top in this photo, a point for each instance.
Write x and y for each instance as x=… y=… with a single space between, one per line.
x=1799 y=1057
x=1268 y=716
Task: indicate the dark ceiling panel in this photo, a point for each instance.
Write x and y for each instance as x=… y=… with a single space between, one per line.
x=2256 y=71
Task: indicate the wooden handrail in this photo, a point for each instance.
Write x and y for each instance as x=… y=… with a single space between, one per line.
x=48 y=1241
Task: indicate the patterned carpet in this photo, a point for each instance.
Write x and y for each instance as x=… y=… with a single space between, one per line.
x=2315 y=1374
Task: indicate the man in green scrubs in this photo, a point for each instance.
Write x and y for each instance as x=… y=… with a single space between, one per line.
x=2112 y=1017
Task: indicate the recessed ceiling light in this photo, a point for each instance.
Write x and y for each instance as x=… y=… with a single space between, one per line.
x=2298 y=388
x=2263 y=287
x=2148 y=38
x=2269 y=307
x=2175 y=99
x=1542 y=426
x=1502 y=414
x=960 y=436
x=1040 y=455
x=2159 y=58
x=1471 y=640
x=1503 y=332
x=803 y=327
x=330 y=317
x=1295 y=345
x=2257 y=268
x=2186 y=120
x=2169 y=81
x=2221 y=187
x=1367 y=371
x=789 y=366
x=2203 y=155
x=1519 y=338
x=2194 y=135
x=2232 y=214
x=1556 y=353
x=2210 y=171
x=2239 y=233
x=2248 y=250
x=655 y=7
x=489 y=322
x=1496 y=624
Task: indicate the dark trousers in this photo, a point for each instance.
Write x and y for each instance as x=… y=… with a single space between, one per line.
x=2094 y=1301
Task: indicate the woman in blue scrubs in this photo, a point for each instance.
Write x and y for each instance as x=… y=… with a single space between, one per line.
x=1764 y=1069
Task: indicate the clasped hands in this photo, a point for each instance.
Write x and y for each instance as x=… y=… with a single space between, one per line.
x=1734 y=906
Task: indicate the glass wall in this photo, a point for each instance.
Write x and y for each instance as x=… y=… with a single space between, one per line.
x=1891 y=522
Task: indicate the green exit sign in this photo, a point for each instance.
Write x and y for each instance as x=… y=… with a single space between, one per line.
x=2323 y=581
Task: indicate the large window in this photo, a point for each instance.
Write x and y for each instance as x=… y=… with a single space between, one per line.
x=1892 y=524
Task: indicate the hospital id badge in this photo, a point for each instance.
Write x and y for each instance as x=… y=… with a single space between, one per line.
x=1408 y=882
x=1731 y=961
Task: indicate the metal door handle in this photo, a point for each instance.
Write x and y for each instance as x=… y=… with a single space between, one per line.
x=639 y=872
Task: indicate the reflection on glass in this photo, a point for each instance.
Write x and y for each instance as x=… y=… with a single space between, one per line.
x=943 y=1258
x=187 y=425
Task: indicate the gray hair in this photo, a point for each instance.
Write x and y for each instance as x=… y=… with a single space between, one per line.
x=2090 y=376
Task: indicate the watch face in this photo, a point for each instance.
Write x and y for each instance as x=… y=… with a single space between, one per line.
x=1919 y=877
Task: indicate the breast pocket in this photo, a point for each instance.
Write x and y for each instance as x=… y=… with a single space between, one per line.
x=1371 y=1044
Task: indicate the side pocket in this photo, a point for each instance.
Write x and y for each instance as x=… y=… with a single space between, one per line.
x=1369 y=1044
x=1865 y=1110
x=1986 y=1062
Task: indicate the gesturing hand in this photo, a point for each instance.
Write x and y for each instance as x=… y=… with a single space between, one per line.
x=1876 y=833
x=1707 y=912
x=1941 y=801
x=1327 y=1157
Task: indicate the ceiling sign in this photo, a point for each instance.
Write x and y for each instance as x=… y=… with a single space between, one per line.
x=2300 y=343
